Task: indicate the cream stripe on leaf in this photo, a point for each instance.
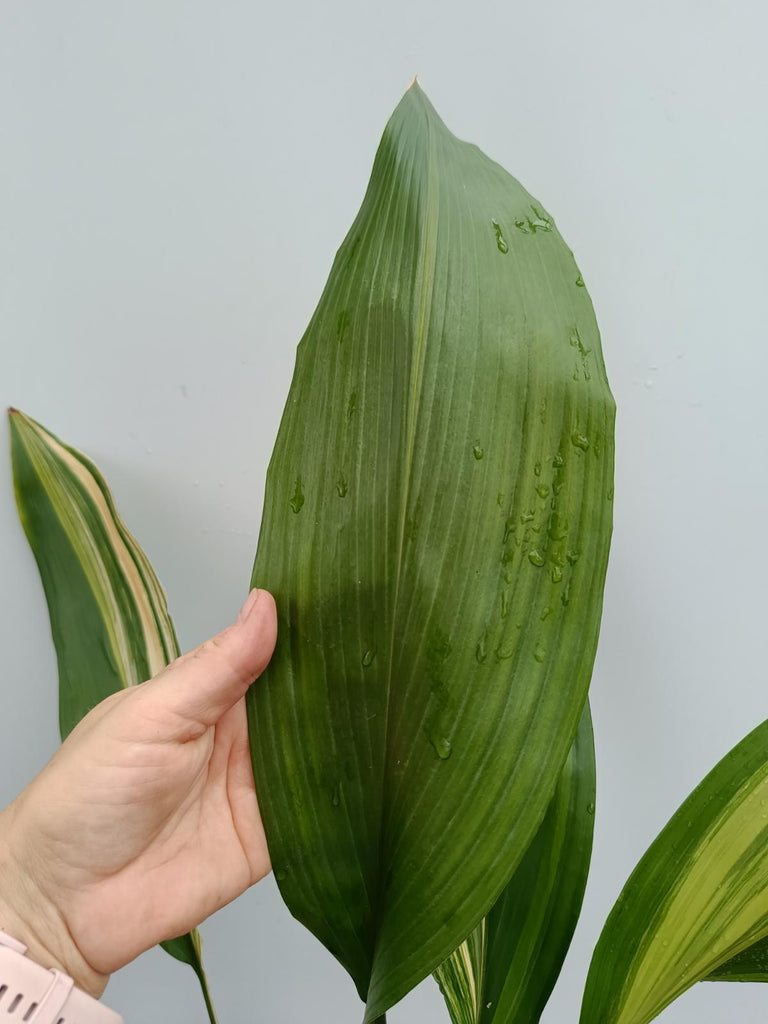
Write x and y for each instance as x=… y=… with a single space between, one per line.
x=460 y=977
x=436 y=526
x=108 y=612
x=697 y=903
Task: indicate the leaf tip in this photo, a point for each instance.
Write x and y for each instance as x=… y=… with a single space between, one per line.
x=16 y=419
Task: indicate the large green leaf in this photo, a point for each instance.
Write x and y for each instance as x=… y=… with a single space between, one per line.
x=505 y=972
x=436 y=530
x=697 y=899
x=108 y=612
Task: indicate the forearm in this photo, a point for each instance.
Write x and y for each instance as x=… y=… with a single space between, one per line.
x=29 y=916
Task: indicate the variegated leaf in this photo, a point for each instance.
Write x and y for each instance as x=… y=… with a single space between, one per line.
x=108 y=612
x=697 y=899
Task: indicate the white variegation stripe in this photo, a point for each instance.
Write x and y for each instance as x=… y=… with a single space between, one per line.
x=155 y=594
x=44 y=455
x=461 y=978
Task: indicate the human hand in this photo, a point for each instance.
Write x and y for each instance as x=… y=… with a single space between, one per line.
x=145 y=821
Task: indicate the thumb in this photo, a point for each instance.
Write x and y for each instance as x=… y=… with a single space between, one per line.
x=202 y=684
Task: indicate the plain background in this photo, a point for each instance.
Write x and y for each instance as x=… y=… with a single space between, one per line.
x=174 y=181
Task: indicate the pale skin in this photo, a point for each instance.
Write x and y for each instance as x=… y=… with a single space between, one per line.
x=146 y=820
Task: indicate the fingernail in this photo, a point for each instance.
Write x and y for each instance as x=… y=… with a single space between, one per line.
x=247 y=608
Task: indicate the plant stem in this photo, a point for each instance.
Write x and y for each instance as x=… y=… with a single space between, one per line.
x=207 y=996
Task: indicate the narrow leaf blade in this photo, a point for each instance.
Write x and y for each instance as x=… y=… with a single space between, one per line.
x=108 y=611
x=436 y=529
x=462 y=977
x=698 y=897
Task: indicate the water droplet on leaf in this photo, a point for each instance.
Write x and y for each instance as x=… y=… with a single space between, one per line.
x=540 y=221
x=505 y=651
x=558 y=527
x=297 y=501
x=342 y=324
x=442 y=746
x=501 y=243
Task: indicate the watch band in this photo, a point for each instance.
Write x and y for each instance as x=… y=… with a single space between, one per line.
x=34 y=994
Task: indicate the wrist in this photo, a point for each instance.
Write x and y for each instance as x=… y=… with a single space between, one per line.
x=27 y=914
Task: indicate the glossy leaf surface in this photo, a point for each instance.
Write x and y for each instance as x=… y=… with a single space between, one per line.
x=505 y=972
x=436 y=530
x=696 y=900
x=108 y=612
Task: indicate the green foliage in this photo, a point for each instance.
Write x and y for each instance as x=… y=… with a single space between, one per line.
x=506 y=970
x=696 y=900
x=436 y=529
x=108 y=612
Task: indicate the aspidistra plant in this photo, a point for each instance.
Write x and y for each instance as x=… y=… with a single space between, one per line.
x=693 y=910
x=436 y=530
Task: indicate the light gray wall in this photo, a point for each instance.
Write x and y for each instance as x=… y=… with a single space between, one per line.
x=174 y=181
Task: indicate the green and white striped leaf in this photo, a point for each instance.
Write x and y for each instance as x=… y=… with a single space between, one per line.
x=505 y=972
x=436 y=529
x=109 y=618
x=749 y=965
x=462 y=976
x=696 y=900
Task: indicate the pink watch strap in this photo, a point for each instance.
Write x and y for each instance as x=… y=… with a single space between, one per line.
x=33 y=994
